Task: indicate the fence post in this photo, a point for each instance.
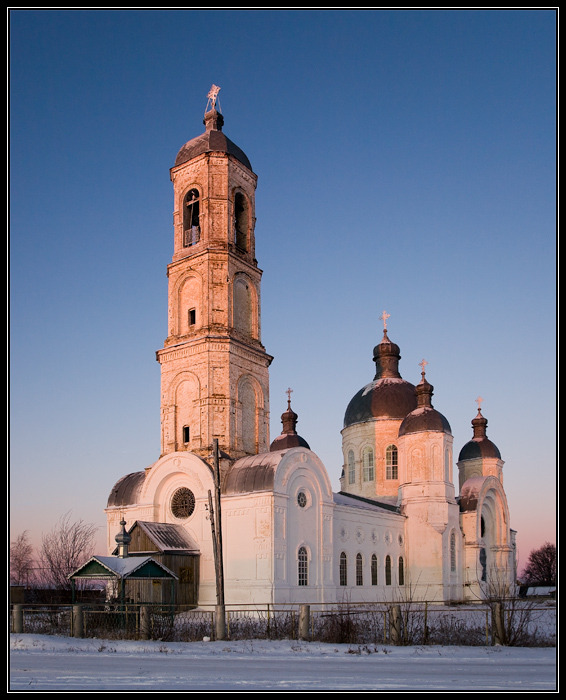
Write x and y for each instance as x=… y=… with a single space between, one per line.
x=145 y=622
x=395 y=624
x=18 y=618
x=78 y=621
x=304 y=614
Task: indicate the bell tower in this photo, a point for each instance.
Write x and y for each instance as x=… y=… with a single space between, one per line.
x=214 y=368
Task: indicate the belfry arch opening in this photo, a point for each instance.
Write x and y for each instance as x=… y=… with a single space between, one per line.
x=241 y=221
x=191 y=218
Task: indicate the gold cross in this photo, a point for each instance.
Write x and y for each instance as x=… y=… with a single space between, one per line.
x=422 y=365
x=289 y=392
x=479 y=402
x=384 y=316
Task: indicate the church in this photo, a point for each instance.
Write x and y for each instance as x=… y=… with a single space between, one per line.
x=394 y=530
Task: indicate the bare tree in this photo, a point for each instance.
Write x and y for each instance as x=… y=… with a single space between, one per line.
x=64 y=549
x=21 y=560
x=541 y=566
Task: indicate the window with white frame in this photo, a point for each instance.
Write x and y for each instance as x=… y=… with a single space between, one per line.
x=368 y=470
x=303 y=567
x=391 y=462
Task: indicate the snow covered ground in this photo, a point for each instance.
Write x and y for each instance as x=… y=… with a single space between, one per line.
x=40 y=662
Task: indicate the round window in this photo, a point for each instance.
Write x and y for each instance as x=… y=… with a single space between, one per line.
x=183 y=503
x=301 y=499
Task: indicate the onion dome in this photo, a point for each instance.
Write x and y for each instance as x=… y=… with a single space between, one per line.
x=123 y=540
x=424 y=418
x=213 y=140
x=479 y=446
x=289 y=437
x=389 y=395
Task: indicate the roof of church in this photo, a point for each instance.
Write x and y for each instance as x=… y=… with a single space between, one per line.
x=213 y=140
x=126 y=490
x=389 y=395
x=252 y=473
x=345 y=499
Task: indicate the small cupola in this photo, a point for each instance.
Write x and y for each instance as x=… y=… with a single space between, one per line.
x=424 y=418
x=123 y=540
x=289 y=437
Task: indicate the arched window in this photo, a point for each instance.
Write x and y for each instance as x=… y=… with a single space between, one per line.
x=374 y=570
x=343 y=569
x=359 y=570
x=351 y=468
x=368 y=472
x=243 y=306
x=388 y=570
x=401 y=572
x=191 y=218
x=452 y=551
x=303 y=567
x=391 y=462
x=241 y=221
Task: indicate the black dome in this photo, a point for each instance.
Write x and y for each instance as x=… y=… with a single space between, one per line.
x=424 y=418
x=389 y=397
x=212 y=140
x=479 y=449
x=480 y=446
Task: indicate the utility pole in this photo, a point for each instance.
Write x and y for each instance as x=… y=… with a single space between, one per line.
x=216 y=525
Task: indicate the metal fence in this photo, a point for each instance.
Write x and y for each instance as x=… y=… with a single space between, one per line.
x=513 y=622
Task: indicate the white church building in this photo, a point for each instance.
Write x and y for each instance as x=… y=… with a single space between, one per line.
x=395 y=528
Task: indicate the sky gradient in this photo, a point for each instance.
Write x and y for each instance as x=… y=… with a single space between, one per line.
x=406 y=162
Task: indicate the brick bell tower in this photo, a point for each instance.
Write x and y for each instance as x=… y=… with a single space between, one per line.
x=214 y=368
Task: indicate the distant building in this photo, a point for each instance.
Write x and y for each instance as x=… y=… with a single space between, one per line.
x=395 y=528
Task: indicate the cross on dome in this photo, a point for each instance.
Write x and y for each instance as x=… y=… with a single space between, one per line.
x=212 y=95
x=289 y=392
x=479 y=402
x=422 y=365
x=384 y=316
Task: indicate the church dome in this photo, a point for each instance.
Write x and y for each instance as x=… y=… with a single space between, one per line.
x=289 y=437
x=213 y=140
x=424 y=418
x=480 y=446
x=389 y=395
x=126 y=490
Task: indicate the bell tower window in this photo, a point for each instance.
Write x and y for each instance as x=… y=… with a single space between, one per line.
x=192 y=317
x=186 y=434
x=241 y=222
x=191 y=218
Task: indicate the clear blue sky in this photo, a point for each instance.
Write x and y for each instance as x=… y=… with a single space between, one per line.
x=406 y=162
